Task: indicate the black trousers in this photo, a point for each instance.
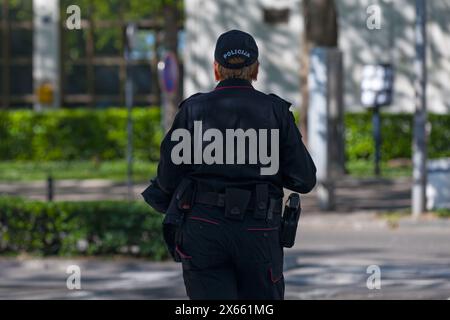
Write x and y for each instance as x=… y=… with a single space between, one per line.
x=230 y=259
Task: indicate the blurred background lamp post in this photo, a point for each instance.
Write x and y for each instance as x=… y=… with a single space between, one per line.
x=45 y=97
x=376 y=91
x=130 y=41
x=168 y=78
x=420 y=116
x=46 y=62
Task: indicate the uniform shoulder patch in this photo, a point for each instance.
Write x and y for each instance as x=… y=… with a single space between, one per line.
x=187 y=99
x=285 y=102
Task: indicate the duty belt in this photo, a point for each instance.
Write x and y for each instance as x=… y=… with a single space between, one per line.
x=219 y=200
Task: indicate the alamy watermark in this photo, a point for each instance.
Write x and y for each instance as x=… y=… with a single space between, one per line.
x=73 y=22
x=230 y=149
x=374 y=17
x=374 y=280
x=73 y=281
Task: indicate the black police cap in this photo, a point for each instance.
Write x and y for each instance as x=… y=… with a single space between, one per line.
x=236 y=44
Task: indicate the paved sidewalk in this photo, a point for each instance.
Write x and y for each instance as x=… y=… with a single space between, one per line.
x=353 y=195
x=329 y=261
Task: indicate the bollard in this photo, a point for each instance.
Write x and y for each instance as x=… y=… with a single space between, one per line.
x=49 y=188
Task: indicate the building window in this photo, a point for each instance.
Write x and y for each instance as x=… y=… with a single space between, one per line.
x=93 y=69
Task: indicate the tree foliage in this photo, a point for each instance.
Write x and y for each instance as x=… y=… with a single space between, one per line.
x=132 y=10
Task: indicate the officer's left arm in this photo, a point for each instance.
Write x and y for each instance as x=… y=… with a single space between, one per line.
x=169 y=174
x=297 y=167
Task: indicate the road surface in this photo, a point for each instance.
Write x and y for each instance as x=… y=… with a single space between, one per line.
x=329 y=261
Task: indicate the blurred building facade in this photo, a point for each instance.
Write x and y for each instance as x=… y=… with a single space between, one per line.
x=91 y=66
x=277 y=26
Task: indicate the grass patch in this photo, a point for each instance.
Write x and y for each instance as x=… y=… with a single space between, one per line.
x=365 y=169
x=142 y=170
x=393 y=217
x=443 y=213
x=78 y=170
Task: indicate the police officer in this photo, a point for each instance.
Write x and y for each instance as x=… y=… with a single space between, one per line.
x=223 y=210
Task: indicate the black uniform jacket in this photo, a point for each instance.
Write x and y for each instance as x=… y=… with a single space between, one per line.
x=235 y=104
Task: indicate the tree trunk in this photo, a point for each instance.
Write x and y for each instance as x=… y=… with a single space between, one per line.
x=320 y=29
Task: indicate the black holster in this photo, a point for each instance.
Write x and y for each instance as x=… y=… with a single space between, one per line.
x=289 y=222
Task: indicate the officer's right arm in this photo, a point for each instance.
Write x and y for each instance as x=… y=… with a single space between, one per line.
x=169 y=174
x=297 y=167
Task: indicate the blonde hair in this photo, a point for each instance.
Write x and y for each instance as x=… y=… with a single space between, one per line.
x=247 y=73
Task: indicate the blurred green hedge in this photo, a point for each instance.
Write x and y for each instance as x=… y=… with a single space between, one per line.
x=83 y=134
x=397 y=133
x=80 y=228
x=78 y=134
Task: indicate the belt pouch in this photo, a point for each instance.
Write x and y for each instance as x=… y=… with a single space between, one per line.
x=236 y=203
x=261 y=200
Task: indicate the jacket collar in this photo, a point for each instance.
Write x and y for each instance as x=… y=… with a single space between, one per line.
x=234 y=84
